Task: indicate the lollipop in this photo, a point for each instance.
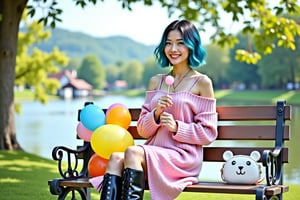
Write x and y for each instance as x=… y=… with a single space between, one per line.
x=169 y=81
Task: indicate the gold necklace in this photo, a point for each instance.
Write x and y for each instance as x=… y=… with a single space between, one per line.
x=185 y=74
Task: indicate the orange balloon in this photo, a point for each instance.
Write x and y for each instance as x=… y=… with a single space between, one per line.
x=97 y=165
x=119 y=115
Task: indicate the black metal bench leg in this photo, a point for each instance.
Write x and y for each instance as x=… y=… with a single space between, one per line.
x=260 y=193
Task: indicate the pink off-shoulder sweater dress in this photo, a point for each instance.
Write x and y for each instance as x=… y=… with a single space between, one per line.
x=174 y=160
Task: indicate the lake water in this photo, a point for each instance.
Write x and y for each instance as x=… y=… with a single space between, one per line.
x=42 y=127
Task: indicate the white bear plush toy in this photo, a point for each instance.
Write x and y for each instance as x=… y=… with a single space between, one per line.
x=241 y=169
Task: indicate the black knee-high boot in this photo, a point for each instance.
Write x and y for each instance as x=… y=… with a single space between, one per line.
x=133 y=184
x=111 y=187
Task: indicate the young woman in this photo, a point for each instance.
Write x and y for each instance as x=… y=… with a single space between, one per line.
x=176 y=124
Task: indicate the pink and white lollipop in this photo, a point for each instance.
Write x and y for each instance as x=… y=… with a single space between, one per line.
x=169 y=81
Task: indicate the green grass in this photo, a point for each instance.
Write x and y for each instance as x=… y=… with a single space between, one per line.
x=258 y=96
x=28 y=95
x=25 y=94
x=24 y=176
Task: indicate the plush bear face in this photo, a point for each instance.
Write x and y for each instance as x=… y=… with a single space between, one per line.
x=241 y=169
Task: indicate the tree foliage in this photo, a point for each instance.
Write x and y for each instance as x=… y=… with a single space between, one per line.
x=150 y=69
x=133 y=73
x=92 y=71
x=217 y=62
x=112 y=73
x=242 y=72
x=280 y=68
x=33 y=65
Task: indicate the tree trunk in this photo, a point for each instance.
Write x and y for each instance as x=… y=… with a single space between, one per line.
x=11 y=13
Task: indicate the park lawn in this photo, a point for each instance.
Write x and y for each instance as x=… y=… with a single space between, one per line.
x=24 y=176
x=28 y=95
x=258 y=96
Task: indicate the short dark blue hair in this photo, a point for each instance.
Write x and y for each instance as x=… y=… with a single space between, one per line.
x=191 y=39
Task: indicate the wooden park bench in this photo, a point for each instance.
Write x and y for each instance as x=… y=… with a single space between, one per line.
x=235 y=124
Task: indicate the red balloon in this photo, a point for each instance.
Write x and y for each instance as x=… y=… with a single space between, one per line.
x=97 y=165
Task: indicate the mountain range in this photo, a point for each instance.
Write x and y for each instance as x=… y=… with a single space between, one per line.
x=109 y=50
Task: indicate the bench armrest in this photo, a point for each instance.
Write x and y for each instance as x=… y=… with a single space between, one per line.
x=69 y=165
x=272 y=161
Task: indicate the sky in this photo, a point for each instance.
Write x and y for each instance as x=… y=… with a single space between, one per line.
x=143 y=24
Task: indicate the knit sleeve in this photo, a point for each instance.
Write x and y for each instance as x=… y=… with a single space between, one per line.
x=146 y=124
x=203 y=130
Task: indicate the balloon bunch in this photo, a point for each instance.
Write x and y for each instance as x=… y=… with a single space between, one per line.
x=107 y=133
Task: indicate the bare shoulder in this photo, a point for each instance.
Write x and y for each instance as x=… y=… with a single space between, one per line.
x=205 y=81
x=205 y=85
x=154 y=82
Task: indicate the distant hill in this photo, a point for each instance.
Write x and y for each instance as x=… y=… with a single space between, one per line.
x=108 y=49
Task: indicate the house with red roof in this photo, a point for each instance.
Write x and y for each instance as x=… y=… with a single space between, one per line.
x=71 y=86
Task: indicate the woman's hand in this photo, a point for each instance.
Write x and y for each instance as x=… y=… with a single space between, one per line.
x=163 y=103
x=168 y=121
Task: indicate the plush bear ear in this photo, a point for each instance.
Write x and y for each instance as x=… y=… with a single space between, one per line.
x=255 y=155
x=227 y=155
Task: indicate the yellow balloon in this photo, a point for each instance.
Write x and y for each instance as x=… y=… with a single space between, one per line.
x=110 y=138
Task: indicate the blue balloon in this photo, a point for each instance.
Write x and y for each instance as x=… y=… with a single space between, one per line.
x=92 y=117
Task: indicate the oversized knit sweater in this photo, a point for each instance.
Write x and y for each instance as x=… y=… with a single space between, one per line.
x=174 y=160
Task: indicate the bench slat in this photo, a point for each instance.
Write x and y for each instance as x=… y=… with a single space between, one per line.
x=238 y=113
x=215 y=154
x=79 y=182
x=213 y=187
x=250 y=132
x=238 y=132
x=219 y=187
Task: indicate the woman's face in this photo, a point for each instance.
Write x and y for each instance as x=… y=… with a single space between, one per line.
x=175 y=50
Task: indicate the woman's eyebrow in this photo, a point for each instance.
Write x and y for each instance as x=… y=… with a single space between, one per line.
x=179 y=39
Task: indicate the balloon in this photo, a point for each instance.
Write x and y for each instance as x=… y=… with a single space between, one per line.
x=92 y=117
x=169 y=80
x=110 y=138
x=97 y=165
x=119 y=115
x=115 y=105
x=83 y=132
